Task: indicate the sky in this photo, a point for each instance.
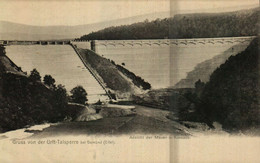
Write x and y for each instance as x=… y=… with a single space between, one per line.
x=78 y=12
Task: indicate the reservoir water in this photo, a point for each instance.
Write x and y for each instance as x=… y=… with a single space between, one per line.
x=61 y=62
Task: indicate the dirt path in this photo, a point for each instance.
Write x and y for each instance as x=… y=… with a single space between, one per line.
x=146 y=121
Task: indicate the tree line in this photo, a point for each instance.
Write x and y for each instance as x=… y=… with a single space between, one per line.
x=26 y=100
x=232 y=24
x=78 y=94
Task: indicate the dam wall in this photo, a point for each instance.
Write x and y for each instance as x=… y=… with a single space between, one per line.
x=164 y=63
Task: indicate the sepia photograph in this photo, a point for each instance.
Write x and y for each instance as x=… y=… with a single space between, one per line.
x=129 y=81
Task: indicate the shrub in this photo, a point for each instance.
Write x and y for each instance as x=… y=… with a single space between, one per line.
x=35 y=75
x=49 y=81
x=79 y=95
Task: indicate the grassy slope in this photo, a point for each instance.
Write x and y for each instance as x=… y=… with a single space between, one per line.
x=108 y=72
x=137 y=80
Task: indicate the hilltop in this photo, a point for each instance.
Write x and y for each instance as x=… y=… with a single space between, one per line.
x=16 y=31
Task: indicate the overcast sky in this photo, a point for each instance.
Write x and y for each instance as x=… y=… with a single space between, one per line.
x=72 y=12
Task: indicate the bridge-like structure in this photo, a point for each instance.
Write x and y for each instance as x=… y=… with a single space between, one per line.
x=161 y=42
x=22 y=42
x=148 y=42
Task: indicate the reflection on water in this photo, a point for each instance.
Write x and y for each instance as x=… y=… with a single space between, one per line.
x=61 y=62
x=163 y=65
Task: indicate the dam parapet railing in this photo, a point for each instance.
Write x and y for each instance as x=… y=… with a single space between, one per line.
x=20 y=42
x=140 y=42
x=159 y=42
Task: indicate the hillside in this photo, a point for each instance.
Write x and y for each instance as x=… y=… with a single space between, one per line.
x=15 y=31
x=229 y=24
x=203 y=70
x=24 y=101
x=123 y=82
x=231 y=96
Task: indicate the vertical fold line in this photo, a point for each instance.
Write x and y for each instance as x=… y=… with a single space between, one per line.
x=173 y=143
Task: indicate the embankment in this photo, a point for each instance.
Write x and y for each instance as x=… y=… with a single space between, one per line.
x=108 y=74
x=137 y=80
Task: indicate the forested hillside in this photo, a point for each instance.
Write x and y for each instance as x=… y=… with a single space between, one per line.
x=231 y=24
x=231 y=97
x=27 y=101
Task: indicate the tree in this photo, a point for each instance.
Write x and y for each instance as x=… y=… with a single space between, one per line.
x=113 y=62
x=35 y=75
x=79 y=95
x=61 y=96
x=49 y=80
x=199 y=86
x=2 y=50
